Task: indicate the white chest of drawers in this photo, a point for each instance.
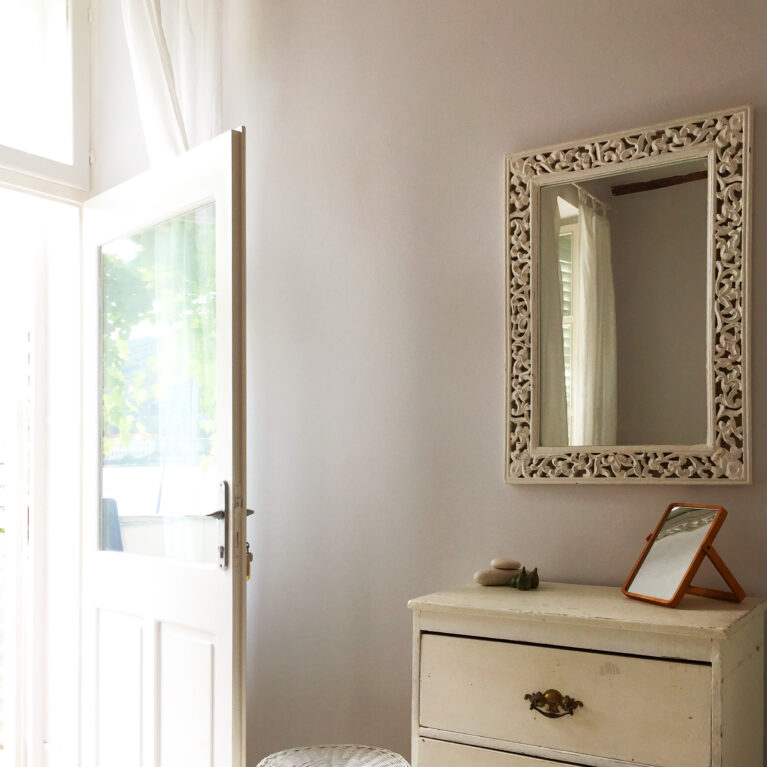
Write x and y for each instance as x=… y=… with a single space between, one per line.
x=663 y=687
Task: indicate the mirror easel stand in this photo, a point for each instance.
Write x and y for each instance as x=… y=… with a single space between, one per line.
x=686 y=572
x=736 y=592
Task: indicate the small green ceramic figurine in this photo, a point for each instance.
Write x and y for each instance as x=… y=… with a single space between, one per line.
x=524 y=581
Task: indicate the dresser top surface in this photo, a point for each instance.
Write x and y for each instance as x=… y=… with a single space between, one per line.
x=604 y=605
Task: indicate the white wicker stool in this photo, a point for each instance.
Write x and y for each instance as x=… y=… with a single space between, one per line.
x=334 y=756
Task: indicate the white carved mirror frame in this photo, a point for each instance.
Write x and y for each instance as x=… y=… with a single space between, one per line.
x=724 y=139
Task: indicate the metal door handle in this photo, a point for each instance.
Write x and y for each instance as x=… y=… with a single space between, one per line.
x=221 y=514
x=211 y=514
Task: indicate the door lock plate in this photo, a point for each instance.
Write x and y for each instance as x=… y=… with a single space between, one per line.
x=222 y=514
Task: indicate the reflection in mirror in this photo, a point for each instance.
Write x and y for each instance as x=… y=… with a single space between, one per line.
x=672 y=552
x=623 y=304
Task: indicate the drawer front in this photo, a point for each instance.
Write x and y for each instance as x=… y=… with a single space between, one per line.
x=438 y=753
x=636 y=709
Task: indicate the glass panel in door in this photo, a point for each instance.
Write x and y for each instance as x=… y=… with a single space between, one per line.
x=158 y=467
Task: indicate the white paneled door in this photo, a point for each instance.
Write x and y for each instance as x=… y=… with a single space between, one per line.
x=164 y=555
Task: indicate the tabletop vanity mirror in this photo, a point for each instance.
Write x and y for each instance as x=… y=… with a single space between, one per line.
x=627 y=270
x=683 y=538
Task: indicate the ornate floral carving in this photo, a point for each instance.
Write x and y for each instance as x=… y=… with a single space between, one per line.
x=724 y=134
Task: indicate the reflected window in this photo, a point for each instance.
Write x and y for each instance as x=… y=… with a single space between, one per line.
x=567 y=254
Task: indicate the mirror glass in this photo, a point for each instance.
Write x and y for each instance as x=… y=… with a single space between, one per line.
x=622 y=316
x=672 y=552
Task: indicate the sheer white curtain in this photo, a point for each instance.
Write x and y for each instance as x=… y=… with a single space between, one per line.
x=175 y=52
x=594 y=352
x=552 y=394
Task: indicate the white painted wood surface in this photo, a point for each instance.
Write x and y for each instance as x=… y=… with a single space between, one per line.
x=478 y=686
x=163 y=668
x=60 y=180
x=438 y=753
x=595 y=606
x=706 y=710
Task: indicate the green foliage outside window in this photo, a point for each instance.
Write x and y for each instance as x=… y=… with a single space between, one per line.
x=159 y=335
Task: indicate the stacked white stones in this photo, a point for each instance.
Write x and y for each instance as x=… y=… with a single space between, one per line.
x=499 y=573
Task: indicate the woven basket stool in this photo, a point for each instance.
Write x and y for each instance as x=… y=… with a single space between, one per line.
x=334 y=756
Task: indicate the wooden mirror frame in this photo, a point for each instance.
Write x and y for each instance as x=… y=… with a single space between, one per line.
x=706 y=549
x=724 y=140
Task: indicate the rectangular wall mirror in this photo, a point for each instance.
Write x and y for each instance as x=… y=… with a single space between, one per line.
x=627 y=268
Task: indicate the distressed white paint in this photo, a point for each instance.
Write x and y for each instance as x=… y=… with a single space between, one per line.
x=438 y=753
x=568 y=605
x=645 y=698
x=478 y=687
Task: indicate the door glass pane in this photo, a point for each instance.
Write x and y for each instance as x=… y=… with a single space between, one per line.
x=159 y=390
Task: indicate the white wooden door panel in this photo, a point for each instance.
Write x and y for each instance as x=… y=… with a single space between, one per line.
x=120 y=658
x=163 y=612
x=187 y=672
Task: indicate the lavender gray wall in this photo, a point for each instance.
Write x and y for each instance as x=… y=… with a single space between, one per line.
x=376 y=136
x=659 y=269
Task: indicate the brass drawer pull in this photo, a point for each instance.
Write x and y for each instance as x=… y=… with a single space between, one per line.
x=556 y=704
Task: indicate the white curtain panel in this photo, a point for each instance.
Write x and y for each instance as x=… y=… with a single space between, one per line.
x=594 y=354
x=193 y=34
x=175 y=52
x=552 y=394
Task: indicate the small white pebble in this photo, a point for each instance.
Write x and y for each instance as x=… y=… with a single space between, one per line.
x=493 y=577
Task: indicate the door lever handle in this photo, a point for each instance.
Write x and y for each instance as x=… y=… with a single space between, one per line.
x=212 y=514
x=216 y=514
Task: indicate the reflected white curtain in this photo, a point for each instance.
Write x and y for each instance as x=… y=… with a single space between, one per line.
x=552 y=393
x=594 y=374
x=175 y=52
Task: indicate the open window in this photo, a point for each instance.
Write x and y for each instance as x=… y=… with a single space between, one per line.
x=45 y=89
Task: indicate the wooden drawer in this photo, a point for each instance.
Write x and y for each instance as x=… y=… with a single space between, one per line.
x=636 y=709
x=438 y=753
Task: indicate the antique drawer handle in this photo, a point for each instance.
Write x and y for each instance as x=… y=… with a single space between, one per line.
x=556 y=704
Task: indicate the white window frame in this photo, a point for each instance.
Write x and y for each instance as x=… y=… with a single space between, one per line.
x=25 y=735
x=33 y=551
x=32 y=173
